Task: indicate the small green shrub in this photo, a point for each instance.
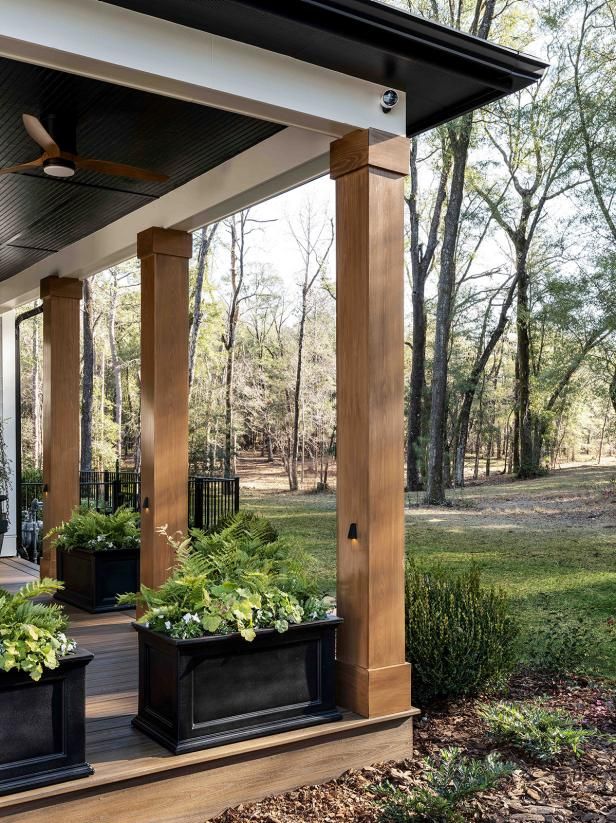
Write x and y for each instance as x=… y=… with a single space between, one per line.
x=31 y=475
x=540 y=733
x=449 y=783
x=93 y=531
x=32 y=635
x=239 y=579
x=561 y=646
x=461 y=637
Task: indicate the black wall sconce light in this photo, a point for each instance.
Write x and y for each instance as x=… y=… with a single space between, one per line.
x=146 y=504
x=352 y=535
x=45 y=490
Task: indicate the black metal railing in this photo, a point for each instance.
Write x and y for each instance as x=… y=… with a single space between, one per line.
x=210 y=499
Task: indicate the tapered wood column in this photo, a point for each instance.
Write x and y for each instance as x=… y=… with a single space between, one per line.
x=61 y=298
x=164 y=256
x=369 y=169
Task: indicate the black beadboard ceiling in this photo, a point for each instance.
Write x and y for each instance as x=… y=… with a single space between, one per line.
x=40 y=215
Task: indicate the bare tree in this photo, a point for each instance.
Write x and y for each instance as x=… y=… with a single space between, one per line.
x=206 y=239
x=116 y=364
x=240 y=227
x=87 y=396
x=422 y=260
x=314 y=247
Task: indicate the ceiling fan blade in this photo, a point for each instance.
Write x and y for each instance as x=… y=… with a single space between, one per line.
x=40 y=135
x=116 y=169
x=33 y=164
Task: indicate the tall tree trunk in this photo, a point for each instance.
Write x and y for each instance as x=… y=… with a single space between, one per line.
x=116 y=365
x=36 y=397
x=206 y=239
x=87 y=392
x=229 y=457
x=481 y=360
x=527 y=465
x=293 y=483
x=435 y=487
x=421 y=263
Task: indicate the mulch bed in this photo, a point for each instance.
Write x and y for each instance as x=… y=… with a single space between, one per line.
x=565 y=791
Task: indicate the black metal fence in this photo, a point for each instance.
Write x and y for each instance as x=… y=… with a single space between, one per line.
x=210 y=499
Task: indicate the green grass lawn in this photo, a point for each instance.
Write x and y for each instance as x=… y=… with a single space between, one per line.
x=539 y=540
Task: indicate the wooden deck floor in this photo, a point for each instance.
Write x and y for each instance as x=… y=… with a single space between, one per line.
x=136 y=780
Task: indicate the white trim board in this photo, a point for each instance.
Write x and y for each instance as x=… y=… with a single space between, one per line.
x=282 y=162
x=106 y=42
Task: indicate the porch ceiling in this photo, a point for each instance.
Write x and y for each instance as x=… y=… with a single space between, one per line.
x=443 y=72
x=40 y=215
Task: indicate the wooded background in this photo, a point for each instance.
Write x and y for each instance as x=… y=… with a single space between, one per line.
x=511 y=307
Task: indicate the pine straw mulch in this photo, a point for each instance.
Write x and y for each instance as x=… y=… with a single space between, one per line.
x=565 y=791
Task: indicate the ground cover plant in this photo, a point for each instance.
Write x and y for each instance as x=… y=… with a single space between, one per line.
x=239 y=579
x=94 y=531
x=32 y=635
x=448 y=783
x=541 y=733
x=561 y=791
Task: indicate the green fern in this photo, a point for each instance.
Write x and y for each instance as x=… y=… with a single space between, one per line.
x=95 y=531
x=238 y=579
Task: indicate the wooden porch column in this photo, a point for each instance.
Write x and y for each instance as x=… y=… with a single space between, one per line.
x=61 y=298
x=164 y=255
x=369 y=169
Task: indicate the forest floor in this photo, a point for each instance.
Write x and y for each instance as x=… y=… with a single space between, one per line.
x=550 y=542
x=565 y=790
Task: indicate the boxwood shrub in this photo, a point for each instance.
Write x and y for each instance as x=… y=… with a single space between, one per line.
x=461 y=637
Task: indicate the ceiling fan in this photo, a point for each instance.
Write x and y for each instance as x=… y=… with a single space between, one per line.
x=57 y=162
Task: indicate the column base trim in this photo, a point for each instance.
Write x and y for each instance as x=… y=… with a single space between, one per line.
x=374 y=692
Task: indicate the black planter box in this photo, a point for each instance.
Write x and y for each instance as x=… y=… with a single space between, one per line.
x=92 y=580
x=196 y=694
x=43 y=726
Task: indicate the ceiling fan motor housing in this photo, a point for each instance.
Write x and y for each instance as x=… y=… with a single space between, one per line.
x=63 y=128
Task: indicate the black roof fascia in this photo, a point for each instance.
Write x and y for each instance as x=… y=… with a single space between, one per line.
x=444 y=72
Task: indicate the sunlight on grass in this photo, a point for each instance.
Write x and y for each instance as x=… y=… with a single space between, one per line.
x=569 y=570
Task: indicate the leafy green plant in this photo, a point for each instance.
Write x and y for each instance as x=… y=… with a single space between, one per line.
x=460 y=636
x=561 y=646
x=541 y=733
x=239 y=579
x=448 y=784
x=32 y=635
x=93 y=531
x=29 y=474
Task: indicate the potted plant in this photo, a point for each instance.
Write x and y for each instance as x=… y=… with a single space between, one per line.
x=236 y=643
x=98 y=558
x=42 y=692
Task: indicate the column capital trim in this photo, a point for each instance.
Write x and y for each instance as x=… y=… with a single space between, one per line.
x=54 y=286
x=369 y=147
x=170 y=242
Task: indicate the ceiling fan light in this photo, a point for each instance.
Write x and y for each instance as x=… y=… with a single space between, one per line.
x=59 y=167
